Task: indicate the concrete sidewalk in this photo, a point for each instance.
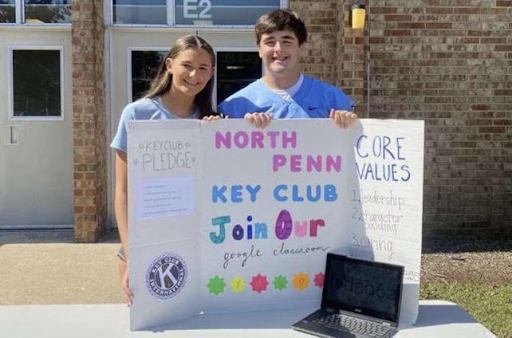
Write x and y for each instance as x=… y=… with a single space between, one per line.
x=47 y=267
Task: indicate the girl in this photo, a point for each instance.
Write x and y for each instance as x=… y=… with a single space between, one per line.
x=182 y=89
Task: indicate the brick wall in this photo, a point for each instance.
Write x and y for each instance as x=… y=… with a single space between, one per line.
x=446 y=62
x=450 y=63
x=90 y=186
x=334 y=53
x=319 y=55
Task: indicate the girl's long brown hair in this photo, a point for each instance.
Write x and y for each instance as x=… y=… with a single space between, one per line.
x=163 y=81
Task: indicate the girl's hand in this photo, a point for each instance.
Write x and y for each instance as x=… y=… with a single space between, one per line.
x=259 y=120
x=343 y=118
x=128 y=294
x=211 y=118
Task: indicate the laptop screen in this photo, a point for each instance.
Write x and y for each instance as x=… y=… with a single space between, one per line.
x=369 y=288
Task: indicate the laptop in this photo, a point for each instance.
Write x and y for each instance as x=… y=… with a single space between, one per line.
x=360 y=299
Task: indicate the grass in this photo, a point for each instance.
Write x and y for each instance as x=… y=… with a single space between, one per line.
x=490 y=305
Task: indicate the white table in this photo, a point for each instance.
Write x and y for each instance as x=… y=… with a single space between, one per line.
x=436 y=319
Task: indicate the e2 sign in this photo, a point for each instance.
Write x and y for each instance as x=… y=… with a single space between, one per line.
x=192 y=9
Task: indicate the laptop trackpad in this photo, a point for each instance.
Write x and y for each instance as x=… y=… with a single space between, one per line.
x=323 y=330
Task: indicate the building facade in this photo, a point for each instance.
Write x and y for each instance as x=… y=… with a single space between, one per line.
x=67 y=69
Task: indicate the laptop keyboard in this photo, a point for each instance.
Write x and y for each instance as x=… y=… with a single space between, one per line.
x=354 y=325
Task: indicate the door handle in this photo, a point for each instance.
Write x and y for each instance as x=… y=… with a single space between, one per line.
x=11 y=135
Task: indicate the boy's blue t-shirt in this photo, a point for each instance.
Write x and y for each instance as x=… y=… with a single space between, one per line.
x=143 y=109
x=315 y=99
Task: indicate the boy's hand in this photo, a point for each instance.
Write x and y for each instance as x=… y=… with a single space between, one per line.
x=343 y=118
x=211 y=118
x=259 y=120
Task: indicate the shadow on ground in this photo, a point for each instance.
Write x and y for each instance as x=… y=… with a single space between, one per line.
x=48 y=236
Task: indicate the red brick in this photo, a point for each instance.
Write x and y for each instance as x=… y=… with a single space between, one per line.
x=504 y=3
x=503 y=122
x=439 y=25
x=493 y=40
x=377 y=40
x=480 y=107
x=479 y=33
x=503 y=48
x=398 y=17
x=383 y=10
x=440 y=10
x=470 y=10
x=359 y=40
x=397 y=32
x=504 y=92
x=411 y=25
x=492 y=130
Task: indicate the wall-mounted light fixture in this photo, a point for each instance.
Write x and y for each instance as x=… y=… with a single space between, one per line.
x=358 y=15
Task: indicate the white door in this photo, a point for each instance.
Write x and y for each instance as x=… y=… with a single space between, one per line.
x=135 y=57
x=36 y=135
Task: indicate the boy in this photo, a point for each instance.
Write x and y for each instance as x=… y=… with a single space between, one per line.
x=283 y=92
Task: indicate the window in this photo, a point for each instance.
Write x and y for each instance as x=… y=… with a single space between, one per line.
x=191 y=12
x=36 y=12
x=7 y=11
x=144 y=68
x=235 y=70
x=36 y=83
x=47 y=11
x=140 y=12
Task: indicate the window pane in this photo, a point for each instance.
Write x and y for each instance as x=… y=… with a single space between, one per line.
x=142 y=12
x=222 y=12
x=7 y=11
x=144 y=68
x=235 y=70
x=47 y=11
x=36 y=83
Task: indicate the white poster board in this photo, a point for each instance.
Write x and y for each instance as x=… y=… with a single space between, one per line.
x=225 y=217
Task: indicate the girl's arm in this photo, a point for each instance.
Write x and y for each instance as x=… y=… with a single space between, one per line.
x=121 y=200
x=121 y=212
